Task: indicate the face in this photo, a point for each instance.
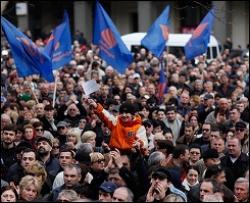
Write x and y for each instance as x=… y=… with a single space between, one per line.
x=98 y=165
x=221 y=178
x=194 y=121
x=185 y=157
x=233 y=147
x=104 y=196
x=29 y=193
x=234 y=115
x=72 y=138
x=49 y=114
x=40 y=109
x=159 y=182
x=126 y=117
x=73 y=110
x=92 y=141
x=169 y=137
x=188 y=132
x=218 y=145
x=120 y=195
x=195 y=154
x=43 y=147
x=206 y=131
x=206 y=188
x=28 y=133
x=240 y=133
x=82 y=123
x=71 y=177
x=171 y=115
x=28 y=159
x=161 y=115
x=62 y=130
x=8 y=196
x=65 y=158
x=241 y=191
x=116 y=179
x=39 y=131
x=192 y=176
x=214 y=135
x=9 y=137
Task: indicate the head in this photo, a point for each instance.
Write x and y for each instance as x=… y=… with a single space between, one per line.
x=240 y=130
x=55 y=147
x=241 y=189
x=217 y=173
x=73 y=136
x=38 y=171
x=218 y=144
x=206 y=130
x=188 y=131
x=207 y=187
x=39 y=108
x=89 y=137
x=28 y=158
x=66 y=156
x=62 y=128
x=28 y=132
x=234 y=114
x=123 y=194
x=106 y=191
x=73 y=110
x=49 y=112
x=181 y=152
x=9 y=134
x=97 y=161
x=67 y=196
x=195 y=153
x=127 y=111
x=192 y=175
x=8 y=194
x=44 y=146
x=115 y=177
x=29 y=188
x=171 y=113
x=71 y=175
x=210 y=157
x=234 y=147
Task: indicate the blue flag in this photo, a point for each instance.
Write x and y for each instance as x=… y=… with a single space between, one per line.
x=28 y=59
x=158 y=34
x=197 y=45
x=108 y=39
x=59 y=44
x=162 y=85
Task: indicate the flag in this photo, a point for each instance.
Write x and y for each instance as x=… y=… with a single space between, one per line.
x=162 y=84
x=197 y=44
x=108 y=39
x=158 y=34
x=28 y=59
x=59 y=44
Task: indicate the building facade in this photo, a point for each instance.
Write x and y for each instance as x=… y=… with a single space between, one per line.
x=232 y=18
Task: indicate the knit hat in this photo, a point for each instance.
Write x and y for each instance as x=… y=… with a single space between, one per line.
x=127 y=108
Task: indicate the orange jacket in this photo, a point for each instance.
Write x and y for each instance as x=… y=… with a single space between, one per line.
x=123 y=134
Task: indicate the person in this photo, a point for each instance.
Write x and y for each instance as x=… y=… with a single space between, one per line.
x=133 y=133
x=29 y=189
x=8 y=153
x=123 y=194
x=161 y=186
x=106 y=191
x=8 y=194
x=44 y=147
x=235 y=160
x=208 y=187
x=241 y=190
x=72 y=176
x=195 y=153
x=188 y=136
x=219 y=145
x=241 y=133
x=192 y=178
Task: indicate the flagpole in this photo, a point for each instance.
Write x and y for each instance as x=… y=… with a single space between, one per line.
x=54 y=94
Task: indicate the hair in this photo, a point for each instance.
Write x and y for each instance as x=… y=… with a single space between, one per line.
x=194 y=168
x=8 y=187
x=75 y=133
x=95 y=156
x=28 y=180
x=74 y=166
x=87 y=135
x=242 y=180
x=28 y=126
x=216 y=187
x=27 y=150
x=37 y=169
x=213 y=171
x=129 y=192
x=71 y=195
x=155 y=158
x=37 y=124
x=67 y=150
x=179 y=150
x=10 y=127
x=173 y=198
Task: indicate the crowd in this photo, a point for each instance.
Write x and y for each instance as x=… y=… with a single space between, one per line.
x=124 y=143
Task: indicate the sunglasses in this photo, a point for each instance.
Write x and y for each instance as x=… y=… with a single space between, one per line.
x=195 y=153
x=56 y=147
x=39 y=129
x=239 y=129
x=99 y=161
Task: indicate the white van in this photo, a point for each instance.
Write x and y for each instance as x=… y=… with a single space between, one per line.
x=175 y=43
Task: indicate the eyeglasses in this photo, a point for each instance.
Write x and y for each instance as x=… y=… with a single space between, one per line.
x=72 y=109
x=194 y=153
x=240 y=129
x=56 y=147
x=39 y=129
x=99 y=161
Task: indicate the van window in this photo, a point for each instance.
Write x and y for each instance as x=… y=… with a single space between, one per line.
x=208 y=54
x=214 y=51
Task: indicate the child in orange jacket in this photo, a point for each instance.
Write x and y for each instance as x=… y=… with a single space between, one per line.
x=127 y=131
